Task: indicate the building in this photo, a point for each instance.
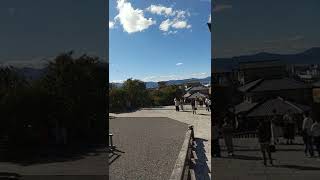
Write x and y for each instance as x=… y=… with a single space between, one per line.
x=253 y=70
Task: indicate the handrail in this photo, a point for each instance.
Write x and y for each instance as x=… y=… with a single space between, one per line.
x=183 y=163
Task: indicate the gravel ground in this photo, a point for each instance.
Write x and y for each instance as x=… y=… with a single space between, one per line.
x=149 y=147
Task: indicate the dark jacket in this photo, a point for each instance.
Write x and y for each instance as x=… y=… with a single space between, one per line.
x=264 y=132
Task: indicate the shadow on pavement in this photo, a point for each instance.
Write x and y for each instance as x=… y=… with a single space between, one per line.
x=52 y=155
x=244 y=157
x=201 y=169
x=296 y=167
x=113 y=156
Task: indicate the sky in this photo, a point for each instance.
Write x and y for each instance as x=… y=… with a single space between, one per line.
x=159 y=40
x=250 y=26
x=35 y=30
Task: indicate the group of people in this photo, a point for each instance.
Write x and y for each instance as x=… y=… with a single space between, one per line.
x=194 y=104
x=311 y=135
x=178 y=103
x=269 y=130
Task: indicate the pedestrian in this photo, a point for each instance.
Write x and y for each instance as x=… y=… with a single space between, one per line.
x=196 y=104
x=176 y=103
x=193 y=105
x=276 y=128
x=181 y=104
x=206 y=103
x=227 y=129
x=289 y=127
x=307 y=135
x=264 y=136
x=315 y=131
x=216 y=144
x=209 y=105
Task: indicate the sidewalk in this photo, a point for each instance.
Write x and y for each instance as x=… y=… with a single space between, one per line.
x=290 y=163
x=202 y=128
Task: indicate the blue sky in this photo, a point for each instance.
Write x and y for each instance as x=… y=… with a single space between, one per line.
x=276 y=26
x=32 y=31
x=158 y=40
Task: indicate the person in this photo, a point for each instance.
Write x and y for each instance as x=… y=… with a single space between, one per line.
x=209 y=105
x=289 y=127
x=227 y=129
x=196 y=104
x=206 y=103
x=193 y=105
x=176 y=103
x=306 y=134
x=315 y=131
x=216 y=144
x=264 y=137
x=276 y=128
x=181 y=104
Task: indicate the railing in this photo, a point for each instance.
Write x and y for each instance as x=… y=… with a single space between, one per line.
x=247 y=134
x=184 y=163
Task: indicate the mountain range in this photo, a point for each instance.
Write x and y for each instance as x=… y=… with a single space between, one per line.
x=151 y=84
x=310 y=56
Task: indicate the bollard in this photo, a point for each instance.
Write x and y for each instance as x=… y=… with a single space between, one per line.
x=111 y=141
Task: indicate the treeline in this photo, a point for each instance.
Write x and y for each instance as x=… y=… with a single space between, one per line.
x=70 y=95
x=133 y=95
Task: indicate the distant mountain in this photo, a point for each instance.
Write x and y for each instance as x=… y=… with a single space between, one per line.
x=152 y=84
x=310 y=56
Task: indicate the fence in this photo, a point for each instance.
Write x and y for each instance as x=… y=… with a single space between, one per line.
x=183 y=169
x=247 y=134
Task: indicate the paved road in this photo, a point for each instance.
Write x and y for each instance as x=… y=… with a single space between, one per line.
x=202 y=126
x=91 y=165
x=290 y=163
x=149 y=147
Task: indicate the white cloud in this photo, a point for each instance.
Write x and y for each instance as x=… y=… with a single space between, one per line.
x=209 y=18
x=161 y=10
x=181 y=25
x=132 y=20
x=176 y=23
x=179 y=64
x=221 y=7
x=111 y=25
x=165 y=25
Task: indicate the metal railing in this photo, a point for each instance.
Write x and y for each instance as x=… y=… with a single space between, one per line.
x=184 y=163
x=247 y=134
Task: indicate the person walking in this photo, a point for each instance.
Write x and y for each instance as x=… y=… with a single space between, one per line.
x=209 y=105
x=306 y=134
x=264 y=137
x=181 y=104
x=227 y=129
x=176 y=103
x=216 y=144
x=276 y=128
x=289 y=127
x=206 y=103
x=193 y=106
x=315 y=131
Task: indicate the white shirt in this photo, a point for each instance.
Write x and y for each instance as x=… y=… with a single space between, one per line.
x=315 y=129
x=306 y=125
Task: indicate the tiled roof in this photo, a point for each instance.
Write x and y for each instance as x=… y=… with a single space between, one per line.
x=281 y=106
x=244 y=106
x=249 y=85
x=198 y=95
x=272 y=85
